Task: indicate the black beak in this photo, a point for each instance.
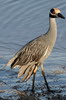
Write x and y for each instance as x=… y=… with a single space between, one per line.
x=60 y=15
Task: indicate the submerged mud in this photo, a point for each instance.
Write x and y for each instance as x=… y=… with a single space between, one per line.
x=12 y=88
x=26 y=95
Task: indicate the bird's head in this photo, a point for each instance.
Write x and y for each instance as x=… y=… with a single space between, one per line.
x=56 y=13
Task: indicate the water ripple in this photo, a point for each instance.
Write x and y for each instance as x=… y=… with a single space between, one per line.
x=21 y=21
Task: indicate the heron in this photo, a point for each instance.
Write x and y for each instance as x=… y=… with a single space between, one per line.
x=34 y=53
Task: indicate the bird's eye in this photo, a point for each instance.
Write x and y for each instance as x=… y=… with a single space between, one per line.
x=52 y=11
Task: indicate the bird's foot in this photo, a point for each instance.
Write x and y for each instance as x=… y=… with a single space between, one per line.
x=51 y=91
x=33 y=91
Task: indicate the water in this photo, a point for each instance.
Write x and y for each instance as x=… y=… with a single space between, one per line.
x=20 y=22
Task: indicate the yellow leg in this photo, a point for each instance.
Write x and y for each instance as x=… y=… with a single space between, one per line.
x=35 y=69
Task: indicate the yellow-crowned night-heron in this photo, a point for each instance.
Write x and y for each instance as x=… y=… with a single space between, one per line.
x=34 y=53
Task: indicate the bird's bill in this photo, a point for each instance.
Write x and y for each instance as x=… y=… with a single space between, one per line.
x=60 y=15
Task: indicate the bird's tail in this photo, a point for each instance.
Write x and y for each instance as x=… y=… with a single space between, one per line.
x=9 y=62
x=27 y=71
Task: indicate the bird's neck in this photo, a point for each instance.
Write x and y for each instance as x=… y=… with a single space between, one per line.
x=52 y=26
x=52 y=29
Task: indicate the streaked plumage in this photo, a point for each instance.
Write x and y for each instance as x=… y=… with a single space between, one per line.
x=34 y=53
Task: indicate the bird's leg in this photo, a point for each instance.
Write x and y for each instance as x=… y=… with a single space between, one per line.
x=34 y=73
x=43 y=73
x=33 y=83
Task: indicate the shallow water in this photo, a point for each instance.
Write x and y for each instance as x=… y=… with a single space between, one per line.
x=20 y=22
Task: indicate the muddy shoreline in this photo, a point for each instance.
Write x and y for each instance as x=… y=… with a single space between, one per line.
x=57 y=97
x=28 y=95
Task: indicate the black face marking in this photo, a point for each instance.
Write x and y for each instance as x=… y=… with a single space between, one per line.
x=52 y=16
x=52 y=11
